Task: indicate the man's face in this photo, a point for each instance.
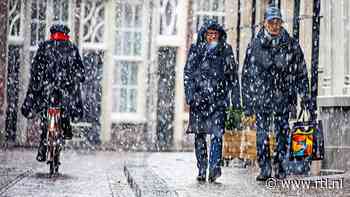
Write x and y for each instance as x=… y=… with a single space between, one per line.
x=212 y=35
x=273 y=26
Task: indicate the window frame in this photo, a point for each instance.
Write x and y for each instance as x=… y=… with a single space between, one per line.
x=49 y=20
x=16 y=15
x=210 y=13
x=139 y=60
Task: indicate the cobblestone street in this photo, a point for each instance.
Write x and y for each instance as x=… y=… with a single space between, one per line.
x=173 y=174
x=83 y=174
x=121 y=174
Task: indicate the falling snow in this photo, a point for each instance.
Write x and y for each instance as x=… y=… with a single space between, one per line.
x=143 y=88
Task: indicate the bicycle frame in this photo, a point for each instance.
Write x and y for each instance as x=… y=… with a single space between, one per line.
x=54 y=138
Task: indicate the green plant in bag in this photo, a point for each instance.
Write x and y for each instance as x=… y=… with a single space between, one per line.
x=233 y=118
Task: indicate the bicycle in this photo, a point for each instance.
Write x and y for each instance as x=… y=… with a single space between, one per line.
x=54 y=137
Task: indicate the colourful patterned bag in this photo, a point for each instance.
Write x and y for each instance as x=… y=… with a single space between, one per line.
x=301 y=145
x=306 y=140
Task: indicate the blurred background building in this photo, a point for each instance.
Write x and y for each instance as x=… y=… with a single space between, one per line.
x=134 y=52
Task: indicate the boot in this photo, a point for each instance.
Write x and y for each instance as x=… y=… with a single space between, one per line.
x=280 y=173
x=214 y=174
x=201 y=178
x=265 y=173
x=202 y=175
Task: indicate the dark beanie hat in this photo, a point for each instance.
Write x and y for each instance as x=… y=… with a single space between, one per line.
x=59 y=28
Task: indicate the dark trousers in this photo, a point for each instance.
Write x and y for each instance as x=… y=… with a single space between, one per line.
x=202 y=155
x=263 y=121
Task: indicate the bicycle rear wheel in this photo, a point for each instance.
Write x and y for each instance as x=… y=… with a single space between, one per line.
x=56 y=159
x=51 y=161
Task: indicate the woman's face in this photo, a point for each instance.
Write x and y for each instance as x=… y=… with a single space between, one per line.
x=273 y=26
x=212 y=35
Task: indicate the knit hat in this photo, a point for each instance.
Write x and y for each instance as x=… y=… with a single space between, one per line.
x=59 y=28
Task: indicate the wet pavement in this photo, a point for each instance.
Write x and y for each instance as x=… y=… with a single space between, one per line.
x=82 y=174
x=113 y=174
x=175 y=175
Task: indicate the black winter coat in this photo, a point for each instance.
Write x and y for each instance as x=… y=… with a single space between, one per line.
x=273 y=74
x=57 y=63
x=211 y=83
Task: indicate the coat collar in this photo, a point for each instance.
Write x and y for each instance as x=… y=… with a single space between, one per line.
x=266 y=41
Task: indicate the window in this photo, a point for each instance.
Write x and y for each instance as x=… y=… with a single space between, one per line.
x=92 y=27
x=126 y=87
x=61 y=11
x=16 y=11
x=208 y=9
x=128 y=32
x=43 y=14
x=38 y=22
x=128 y=57
x=168 y=17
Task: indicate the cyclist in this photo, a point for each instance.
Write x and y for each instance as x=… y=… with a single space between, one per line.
x=56 y=65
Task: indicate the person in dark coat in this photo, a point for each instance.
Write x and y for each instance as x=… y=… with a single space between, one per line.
x=56 y=69
x=211 y=85
x=274 y=72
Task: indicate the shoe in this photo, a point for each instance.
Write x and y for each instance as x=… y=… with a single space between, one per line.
x=280 y=173
x=214 y=174
x=280 y=176
x=201 y=178
x=261 y=177
x=202 y=175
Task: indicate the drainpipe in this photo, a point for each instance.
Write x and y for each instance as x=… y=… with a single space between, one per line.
x=253 y=18
x=238 y=29
x=296 y=20
x=315 y=54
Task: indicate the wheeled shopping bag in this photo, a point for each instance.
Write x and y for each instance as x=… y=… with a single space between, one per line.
x=241 y=144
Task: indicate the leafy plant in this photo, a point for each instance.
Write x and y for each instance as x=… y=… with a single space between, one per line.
x=233 y=118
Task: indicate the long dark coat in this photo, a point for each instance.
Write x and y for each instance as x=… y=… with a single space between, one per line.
x=211 y=83
x=273 y=74
x=57 y=63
